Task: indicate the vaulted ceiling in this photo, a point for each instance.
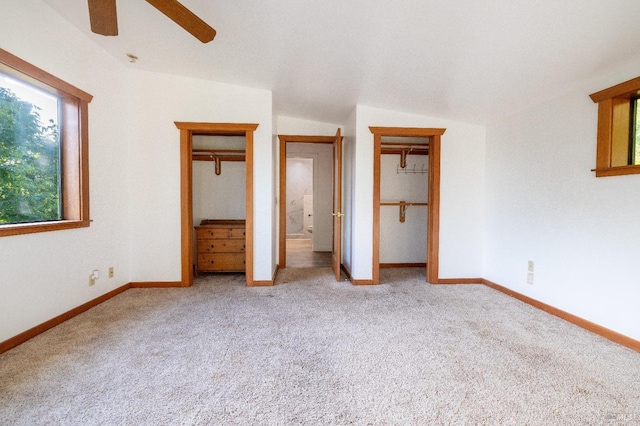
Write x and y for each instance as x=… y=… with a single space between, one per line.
x=470 y=60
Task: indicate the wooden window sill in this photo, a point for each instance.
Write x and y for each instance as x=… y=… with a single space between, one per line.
x=617 y=171
x=32 y=228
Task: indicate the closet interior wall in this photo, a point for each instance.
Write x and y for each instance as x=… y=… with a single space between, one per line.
x=218 y=196
x=403 y=229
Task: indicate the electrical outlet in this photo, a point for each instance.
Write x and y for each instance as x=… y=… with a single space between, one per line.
x=530 y=278
x=94 y=276
x=530 y=266
x=111 y=273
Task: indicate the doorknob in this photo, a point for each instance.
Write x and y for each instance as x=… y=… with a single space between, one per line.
x=337 y=214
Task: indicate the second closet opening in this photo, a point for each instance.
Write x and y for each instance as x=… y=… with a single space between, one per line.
x=406 y=199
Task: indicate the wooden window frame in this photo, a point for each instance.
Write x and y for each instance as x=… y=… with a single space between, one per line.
x=74 y=147
x=611 y=123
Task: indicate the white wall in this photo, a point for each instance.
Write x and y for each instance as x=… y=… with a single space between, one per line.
x=219 y=196
x=43 y=275
x=155 y=191
x=299 y=126
x=348 y=189
x=403 y=242
x=544 y=204
x=275 y=191
x=461 y=192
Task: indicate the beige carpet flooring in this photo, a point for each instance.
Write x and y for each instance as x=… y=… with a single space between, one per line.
x=318 y=352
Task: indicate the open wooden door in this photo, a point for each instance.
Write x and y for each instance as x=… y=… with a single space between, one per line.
x=336 y=252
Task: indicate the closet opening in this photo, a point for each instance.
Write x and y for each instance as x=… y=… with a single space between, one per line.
x=310 y=216
x=219 y=206
x=406 y=199
x=221 y=152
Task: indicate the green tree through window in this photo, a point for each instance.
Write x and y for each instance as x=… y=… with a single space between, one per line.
x=29 y=163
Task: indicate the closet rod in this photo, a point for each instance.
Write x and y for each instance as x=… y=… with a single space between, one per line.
x=222 y=154
x=404 y=149
x=419 y=151
x=401 y=203
x=212 y=157
x=218 y=156
x=403 y=208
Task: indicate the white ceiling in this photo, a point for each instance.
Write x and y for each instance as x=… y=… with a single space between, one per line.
x=470 y=60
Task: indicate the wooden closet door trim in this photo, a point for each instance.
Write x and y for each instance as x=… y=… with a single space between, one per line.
x=186 y=207
x=433 y=216
x=433 y=212
x=375 y=256
x=187 y=131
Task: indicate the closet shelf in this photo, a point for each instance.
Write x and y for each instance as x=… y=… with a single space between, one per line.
x=218 y=156
x=402 y=203
x=404 y=149
x=223 y=154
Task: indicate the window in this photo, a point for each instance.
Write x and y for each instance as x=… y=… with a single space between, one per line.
x=618 y=148
x=44 y=176
x=634 y=150
x=29 y=154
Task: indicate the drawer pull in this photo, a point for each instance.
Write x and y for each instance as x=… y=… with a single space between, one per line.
x=212 y=262
x=212 y=246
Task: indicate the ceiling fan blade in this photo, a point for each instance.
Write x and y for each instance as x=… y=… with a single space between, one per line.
x=103 y=17
x=185 y=18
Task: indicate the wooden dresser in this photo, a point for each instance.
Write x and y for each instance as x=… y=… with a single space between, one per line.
x=220 y=246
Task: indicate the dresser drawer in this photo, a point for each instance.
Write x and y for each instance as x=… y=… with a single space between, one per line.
x=221 y=246
x=237 y=233
x=211 y=232
x=221 y=262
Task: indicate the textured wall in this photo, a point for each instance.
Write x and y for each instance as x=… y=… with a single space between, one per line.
x=403 y=242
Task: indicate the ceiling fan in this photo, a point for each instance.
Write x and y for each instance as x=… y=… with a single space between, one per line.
x=104 y=19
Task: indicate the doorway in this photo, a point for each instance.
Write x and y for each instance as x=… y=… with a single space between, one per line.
x=308 y=211
x=308 y=205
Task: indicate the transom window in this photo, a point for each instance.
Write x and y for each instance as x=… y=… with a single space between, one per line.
x=618 y=149
x=44 y=173
x=634 y=149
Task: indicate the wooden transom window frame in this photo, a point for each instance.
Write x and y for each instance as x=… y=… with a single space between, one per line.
x=74 y=147
x=614 y=104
